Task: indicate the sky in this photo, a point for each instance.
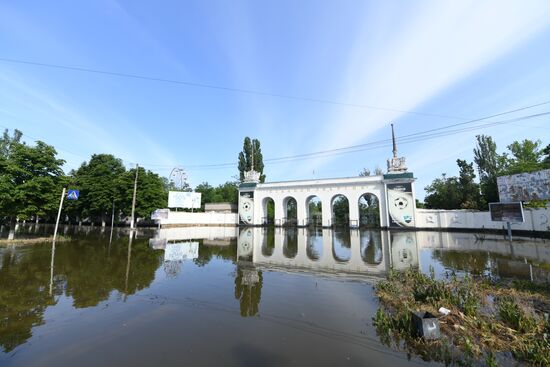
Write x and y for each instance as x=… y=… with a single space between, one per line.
x=301 y=76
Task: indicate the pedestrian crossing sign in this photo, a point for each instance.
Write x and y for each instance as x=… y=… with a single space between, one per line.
x=72 y=195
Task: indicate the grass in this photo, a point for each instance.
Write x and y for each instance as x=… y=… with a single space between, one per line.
x=33 y=241
x=486 y=318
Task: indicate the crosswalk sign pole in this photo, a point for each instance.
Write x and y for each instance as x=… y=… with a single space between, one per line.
x=58 y=215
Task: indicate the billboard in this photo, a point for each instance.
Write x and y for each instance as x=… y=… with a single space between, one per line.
x=181 y=251
x=524 y=186
x=181 y=199
x=506 y=212
x=400 y=204
x=160 y=214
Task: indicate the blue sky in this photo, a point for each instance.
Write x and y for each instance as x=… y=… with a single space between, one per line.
x=456 y=59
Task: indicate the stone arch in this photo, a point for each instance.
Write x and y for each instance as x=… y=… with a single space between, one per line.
x=268 y=211
x=314 y=210
x=371 y=247
x=341 y=246
x=290 y=210
x=339 y=210
x=369 y=210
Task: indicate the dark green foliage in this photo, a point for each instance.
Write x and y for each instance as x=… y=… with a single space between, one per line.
x=251 y=157
x=31 y=178
x=464 y=193
x=512 y=314
x=225 y=193
x=340 y=211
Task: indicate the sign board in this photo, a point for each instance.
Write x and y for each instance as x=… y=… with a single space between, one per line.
x=181 y=251
x=160 y=214
x=400 y=204
x=506 y=212
x=72 y=194
x=524 y=186
x=181 y=199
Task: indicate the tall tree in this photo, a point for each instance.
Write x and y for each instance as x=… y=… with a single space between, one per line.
x=151 y=192
x=443 y=193
x=251 y=157
x=489 y=164
x=546 y=157
x=468 y=188
x=526 y=156
x=30 y=178
x=99 y=181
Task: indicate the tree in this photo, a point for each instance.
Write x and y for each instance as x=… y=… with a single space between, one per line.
x=526 y=156
x=151 y=193
x=489 y=164
x=251 y=158
x=546 y=157
x=30 y=178
x=99 y=182
x=364 y=173
x=443 y=193
x=225 y=193
x=469 y=190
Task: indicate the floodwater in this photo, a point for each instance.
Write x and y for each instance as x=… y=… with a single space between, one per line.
x=208 y=296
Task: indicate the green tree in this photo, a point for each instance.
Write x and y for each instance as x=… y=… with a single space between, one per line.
x=443 y=193
x=526 y=156
x=469 y=189
x=249 y=156
x=30 y=178
x=546 y=157
x=151 y=192
x=489 y=164
x=99 y=181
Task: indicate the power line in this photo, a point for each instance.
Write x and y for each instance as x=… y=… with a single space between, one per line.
x=220 y=87
x=405 y=139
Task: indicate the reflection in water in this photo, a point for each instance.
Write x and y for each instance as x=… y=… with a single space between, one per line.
x=248 y=289
x=82 y=270
x=268 y=244
x=341 y=246
x=290 y=248
x=93 y=268
x=371 y=247
x=314 y=248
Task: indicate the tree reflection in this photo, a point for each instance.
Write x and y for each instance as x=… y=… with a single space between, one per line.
x=474 y=262
x=371 y=247
x=290 y=248
x=248 y=289
x=268 y=242
x=84 y=269
x=24 y=295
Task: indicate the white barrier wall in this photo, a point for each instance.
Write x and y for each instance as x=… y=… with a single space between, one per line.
x=199 y=219
x=535 y=220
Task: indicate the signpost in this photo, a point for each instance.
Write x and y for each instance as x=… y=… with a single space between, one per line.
x=507 y=212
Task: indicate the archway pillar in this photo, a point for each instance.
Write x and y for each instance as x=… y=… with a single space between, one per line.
x=301 y=207
x=353 y=204
x=279 y=211
x=326 y=210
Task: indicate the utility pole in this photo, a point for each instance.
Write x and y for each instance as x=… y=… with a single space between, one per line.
x=132 y=225
x=58 y=215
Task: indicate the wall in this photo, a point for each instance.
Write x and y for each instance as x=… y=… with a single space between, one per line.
x=182 y=219
x=535 y=220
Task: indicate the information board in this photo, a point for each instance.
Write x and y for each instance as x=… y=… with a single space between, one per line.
x=182 y=199
x=506 y=212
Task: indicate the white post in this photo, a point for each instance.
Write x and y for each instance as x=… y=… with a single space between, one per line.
x=58 y=215
x=132 y=226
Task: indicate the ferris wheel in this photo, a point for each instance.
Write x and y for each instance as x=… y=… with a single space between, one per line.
x=179 y=177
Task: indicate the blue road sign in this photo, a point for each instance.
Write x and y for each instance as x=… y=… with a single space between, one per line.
x=72 y=195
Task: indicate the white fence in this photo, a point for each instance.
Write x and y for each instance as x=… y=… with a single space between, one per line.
x=535 y=220
x=182 y=219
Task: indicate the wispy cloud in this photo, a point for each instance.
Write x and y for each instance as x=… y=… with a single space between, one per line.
x=439 y=45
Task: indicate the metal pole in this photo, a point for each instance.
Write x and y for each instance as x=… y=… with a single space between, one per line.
x=132 y=226
x=58 y=215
